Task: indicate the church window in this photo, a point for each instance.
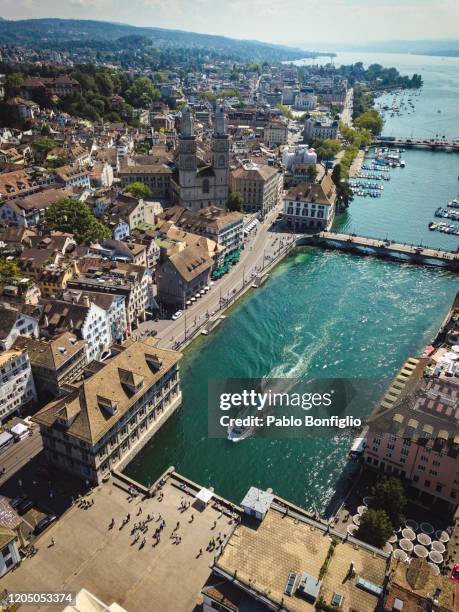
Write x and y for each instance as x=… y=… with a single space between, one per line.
x=205 y=186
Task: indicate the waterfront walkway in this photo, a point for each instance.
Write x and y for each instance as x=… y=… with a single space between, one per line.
x=262 y=251
x=383 y=248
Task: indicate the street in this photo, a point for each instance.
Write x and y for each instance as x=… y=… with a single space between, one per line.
x=259 y=251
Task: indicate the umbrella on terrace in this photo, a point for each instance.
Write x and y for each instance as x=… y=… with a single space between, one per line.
x=406 y=545
x=436 y=557
x=434 y=569
x=438 y=546
x=400 y=554
x=408 y=533
x=420 y=551
x=442 y=535
x=424 y=539
x=427 y=528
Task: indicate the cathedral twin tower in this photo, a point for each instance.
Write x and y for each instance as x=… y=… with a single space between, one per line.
x=197 y=185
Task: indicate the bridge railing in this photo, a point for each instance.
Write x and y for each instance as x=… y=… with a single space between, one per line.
x=388 y=243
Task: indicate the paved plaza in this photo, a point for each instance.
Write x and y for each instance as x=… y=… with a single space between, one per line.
x=88 y=554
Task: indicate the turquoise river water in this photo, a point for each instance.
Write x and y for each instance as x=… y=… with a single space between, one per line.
x=322 y=314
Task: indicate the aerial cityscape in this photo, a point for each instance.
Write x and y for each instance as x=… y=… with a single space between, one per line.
x=229 y=306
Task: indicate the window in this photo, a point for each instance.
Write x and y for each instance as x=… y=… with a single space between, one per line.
x=427 y=483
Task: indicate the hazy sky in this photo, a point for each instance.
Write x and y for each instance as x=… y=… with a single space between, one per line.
x=280 y=21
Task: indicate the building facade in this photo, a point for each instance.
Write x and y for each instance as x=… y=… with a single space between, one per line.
x=55 y=363
x=319 y=129
x=98 y=425
x=413 y=434
x=197 y=185
x=260 y=187
x=17 y=387
x=310 y=206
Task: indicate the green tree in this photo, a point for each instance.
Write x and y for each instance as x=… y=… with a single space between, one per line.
x=139 y=190
x=142 y=92
x=311 y=173
x=370 y=120
x=389 y=496
x=43 y=145
x=235 y=201
x=13 y=84
x=375 y=527
x=68 y=215
x=9 y=270
x=328 y=148
x=344 y=195
x=105 y=84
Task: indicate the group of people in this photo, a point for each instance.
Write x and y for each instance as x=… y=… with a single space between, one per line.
x=140 y=529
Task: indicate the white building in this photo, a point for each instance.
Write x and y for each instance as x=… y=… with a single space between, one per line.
x=17 y=387
x=309 y=207
x=113 y=305
x=301 y=154
x=276 y=133
x=9 y=554
x=14 y=323
x=86 y=319
x=305 y=101
x=319 y=129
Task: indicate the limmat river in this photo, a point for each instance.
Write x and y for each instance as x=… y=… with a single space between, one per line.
x=321 y=314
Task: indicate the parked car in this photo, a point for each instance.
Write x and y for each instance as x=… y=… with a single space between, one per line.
x=17 y=501
x=455 y=573
x=177 y=315
x=44 y=523
x=26 y=505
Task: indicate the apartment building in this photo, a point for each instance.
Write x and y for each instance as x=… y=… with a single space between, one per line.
x=275 y=133
x=310 y=206
x=17 y=387
x=99 y=424
x=305 y=101
x=55 y=362
x=413 y=433
x=313 y=128
x=30 y=210
x=15 y=322
x=260 y=186
x=157 y=176
x=132 y=282
x=223 y=227
x=9 y=553
x=113 y=305
x=87 y=320
x=73 y=176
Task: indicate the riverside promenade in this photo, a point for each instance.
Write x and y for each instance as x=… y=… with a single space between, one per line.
x=261 y=253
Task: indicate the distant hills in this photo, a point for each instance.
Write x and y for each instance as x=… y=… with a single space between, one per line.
x=38 y=32
x=445 y=47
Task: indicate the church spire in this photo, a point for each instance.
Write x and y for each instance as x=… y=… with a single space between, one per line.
x=187 y=123
x=220 y=121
